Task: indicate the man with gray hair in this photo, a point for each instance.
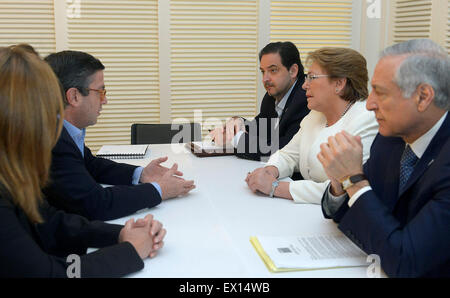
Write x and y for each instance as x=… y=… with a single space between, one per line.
x=397 y=205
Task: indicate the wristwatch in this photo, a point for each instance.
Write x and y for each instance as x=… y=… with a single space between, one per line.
x=352 y=180
x=274 y=186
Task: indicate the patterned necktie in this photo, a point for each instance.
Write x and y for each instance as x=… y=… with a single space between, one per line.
x=407 y=163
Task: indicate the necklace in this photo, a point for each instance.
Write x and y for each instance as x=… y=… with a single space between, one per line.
x=343 y=113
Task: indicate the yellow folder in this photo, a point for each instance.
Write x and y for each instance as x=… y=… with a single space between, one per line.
x=274 y=269
x=266 y=259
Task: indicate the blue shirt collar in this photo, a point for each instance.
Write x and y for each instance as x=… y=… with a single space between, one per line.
x=76 y=134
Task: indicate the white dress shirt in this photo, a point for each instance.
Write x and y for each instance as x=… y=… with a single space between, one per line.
x=300 y=154
x=418 y=147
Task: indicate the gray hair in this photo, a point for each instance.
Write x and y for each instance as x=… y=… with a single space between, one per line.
x=428 y=63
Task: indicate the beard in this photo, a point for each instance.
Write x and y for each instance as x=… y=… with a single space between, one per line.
x=276 y=92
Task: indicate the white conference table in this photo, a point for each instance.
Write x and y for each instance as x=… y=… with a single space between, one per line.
x=209 y=230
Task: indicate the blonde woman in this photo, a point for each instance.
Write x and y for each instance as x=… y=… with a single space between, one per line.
x=336 y=89
x=36 y=239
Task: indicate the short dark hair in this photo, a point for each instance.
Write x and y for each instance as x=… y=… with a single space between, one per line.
x=73 y=69
x=289 y=55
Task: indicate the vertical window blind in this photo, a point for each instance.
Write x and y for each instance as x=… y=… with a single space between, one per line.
x=311 y=25
x=213 y=58
x=124 y=36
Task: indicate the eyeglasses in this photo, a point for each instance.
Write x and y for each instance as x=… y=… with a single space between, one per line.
x=101 y=91
x=309 y=77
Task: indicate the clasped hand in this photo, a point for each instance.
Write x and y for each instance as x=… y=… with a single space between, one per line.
x=224 y=134
x=261 y=179
x=341 y=157
x=145 y=234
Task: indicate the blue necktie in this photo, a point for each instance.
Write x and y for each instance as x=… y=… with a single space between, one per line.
x=407 y=163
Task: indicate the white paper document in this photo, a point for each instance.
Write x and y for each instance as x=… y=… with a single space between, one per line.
x=309 y=252
x=211 y=146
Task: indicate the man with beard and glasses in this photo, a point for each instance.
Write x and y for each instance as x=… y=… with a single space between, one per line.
x=282 y=109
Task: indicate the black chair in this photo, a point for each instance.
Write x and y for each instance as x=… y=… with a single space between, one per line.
x=165 y=133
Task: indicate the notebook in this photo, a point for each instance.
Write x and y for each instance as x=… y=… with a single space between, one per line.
x=122 y=151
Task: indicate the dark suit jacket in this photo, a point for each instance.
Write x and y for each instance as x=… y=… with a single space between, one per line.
x=75 y=184
x=257 y=142
x=41 y=250
x=410 y=230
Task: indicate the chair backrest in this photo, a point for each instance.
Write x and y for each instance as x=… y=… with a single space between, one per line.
x=165 y=133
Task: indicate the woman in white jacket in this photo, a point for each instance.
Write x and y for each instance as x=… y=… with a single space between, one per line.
x=336 y=89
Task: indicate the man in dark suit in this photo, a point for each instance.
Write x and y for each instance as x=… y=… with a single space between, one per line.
x=282 y=109
x=76 y=173
x=398 y=205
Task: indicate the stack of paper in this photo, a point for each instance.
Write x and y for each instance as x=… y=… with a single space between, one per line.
x=211 y=146
x=296 y=253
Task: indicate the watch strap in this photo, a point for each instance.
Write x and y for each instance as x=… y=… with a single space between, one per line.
x=274 y=186
x=349 y=181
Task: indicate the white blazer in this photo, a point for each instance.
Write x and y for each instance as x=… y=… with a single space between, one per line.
x=300 y=154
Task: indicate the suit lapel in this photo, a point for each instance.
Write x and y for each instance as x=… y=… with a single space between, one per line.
x=430 y=153
x=419 y=169
x=392 y=176
x=298 y=84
